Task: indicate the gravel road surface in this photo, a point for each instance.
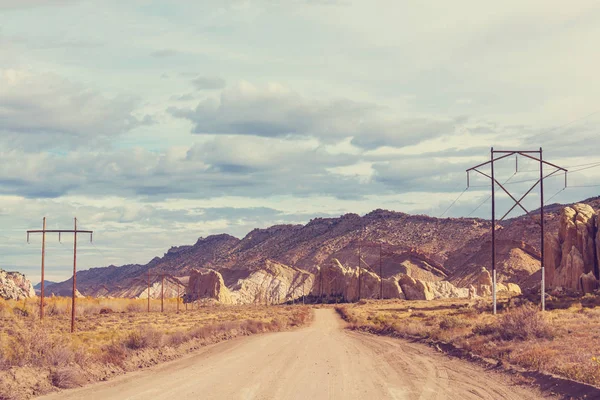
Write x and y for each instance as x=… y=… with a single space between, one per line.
x=322 y=361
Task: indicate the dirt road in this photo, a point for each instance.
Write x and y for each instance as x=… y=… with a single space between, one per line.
x=322 y=361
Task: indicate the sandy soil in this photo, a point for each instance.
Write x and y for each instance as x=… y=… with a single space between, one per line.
x=322 y=361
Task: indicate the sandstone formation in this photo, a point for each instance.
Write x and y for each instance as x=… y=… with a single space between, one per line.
x=14 y=286
x=335 y=281
x=415 y=289
x=571 y=257
x=484 y=285
x=272 y=283
x=207 y=285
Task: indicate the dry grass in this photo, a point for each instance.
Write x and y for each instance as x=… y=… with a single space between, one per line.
x=563 y=341
x=114 y=336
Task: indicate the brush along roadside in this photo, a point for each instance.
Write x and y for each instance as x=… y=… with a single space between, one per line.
x=37 y=358
x=555 y=349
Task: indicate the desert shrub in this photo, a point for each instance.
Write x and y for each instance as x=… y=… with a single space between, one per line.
x=57 y=306
x=254 y=326
x=201 y=332
x=484 y=329
x=144 y=338
x=177 y=338
x=537 y=357
x=21 y=311
x=29 y=347
x=113 y=354
x=59 y=355
x=345 y=314
x=447 y=323
x=105 y=310
x=134 y=307
x=5 y=309
x=524 y=323
x=9 y=389
x=67 y=377
x=301 y=316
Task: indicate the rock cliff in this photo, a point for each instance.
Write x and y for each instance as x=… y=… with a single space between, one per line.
x=207 y=284
x=14 y=286
x=571 y=256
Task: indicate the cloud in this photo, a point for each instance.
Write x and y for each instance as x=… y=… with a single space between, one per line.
x=225 y=166
x=39 y=111
x=207 y=83
x=183 y=97
x=276 y=111
x=164 y=53
x=16 y=4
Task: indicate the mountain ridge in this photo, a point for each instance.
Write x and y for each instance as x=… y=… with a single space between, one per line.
x=431 y=248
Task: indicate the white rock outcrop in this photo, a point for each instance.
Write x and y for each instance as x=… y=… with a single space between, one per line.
x=571 y=259
x=15 y=286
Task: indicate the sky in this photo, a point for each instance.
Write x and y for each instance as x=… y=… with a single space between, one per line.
x=159 y=122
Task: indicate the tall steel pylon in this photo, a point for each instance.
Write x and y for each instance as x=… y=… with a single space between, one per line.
x=531 y=155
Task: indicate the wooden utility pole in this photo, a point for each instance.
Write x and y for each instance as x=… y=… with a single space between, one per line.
x=321 y=283
x=43 y=261
x=380 y=275
x=60 y=231
x=359 y=262
x=74 y=277
x=177 y=298
x=162 y=293
x=148 y=290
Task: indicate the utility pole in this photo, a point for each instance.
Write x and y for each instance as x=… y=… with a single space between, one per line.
x=61 y=231
x=543 y=283
x=493 y=232
x=177 y=298
x=497 y=155
x=43 y=261
x=359 y=262
x=162 y=293
x=74 y=277
x=148 y=290
x=321 y=283
x=380 y=275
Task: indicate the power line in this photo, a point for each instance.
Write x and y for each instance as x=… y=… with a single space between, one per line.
x=583 y=186
x=564 y=125
x=454 y=202
x=554 y=195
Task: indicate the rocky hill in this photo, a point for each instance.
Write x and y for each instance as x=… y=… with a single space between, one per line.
x=283 y=259
x=14 y=286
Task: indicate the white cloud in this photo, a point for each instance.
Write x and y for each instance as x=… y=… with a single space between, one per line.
x=45 y=111
x=276 y=111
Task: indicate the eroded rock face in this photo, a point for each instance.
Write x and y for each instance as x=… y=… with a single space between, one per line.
x=485 y=285
x=207 y=284
x=272 y=283
x=571 y=259
x=588 y=282
x=14 y=286
x=415 y=289
x=337 y=281
x=597 y=242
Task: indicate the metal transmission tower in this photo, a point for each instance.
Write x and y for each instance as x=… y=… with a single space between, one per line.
x=496 y=155
x=60 y=231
